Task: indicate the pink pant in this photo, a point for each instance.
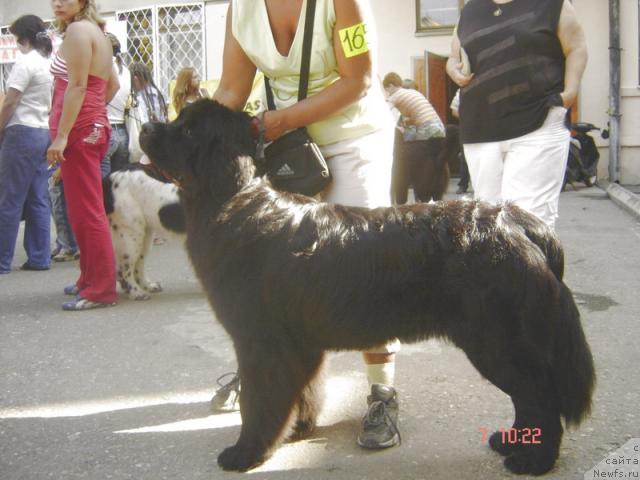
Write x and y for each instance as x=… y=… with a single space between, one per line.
x=85 y=150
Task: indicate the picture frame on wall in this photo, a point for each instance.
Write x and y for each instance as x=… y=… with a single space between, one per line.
x=437 y=16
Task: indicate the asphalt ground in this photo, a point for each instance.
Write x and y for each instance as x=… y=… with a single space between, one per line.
x=123 y=393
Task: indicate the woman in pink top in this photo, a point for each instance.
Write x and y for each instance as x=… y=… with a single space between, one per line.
x=84 y=82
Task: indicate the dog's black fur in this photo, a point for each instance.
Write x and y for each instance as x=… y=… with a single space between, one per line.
x=423 y=165
x=290 y=278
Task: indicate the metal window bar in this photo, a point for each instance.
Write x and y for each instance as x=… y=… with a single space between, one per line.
x=140 y=36
x=166 y=38
x=181 y=41
x=5 y=68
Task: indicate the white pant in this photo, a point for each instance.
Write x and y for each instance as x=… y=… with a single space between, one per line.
x=361 y=171
x=527 y=170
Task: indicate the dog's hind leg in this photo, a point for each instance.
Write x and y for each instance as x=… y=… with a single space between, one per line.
x=140 y=271
x=120 y=245
x=532 y=444
x=128 y=246
x=538 y=432
x=511 y=362
x=274 y=371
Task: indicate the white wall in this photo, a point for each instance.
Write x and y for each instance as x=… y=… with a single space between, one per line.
x=215 y=15
x=398 y=43
x=396 y=23
x=594 y=93
x=395 y=20
x=12 y=9
x=630 y=92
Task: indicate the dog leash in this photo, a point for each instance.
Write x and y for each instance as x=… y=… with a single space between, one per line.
x=257 y=125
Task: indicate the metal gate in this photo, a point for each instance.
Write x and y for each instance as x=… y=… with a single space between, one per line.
x=166 y=38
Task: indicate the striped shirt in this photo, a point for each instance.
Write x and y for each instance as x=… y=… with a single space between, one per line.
x=59 y=68
x=413 y=106
x=93 y=110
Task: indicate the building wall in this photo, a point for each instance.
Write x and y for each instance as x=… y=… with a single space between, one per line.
x=594 y=95
x=396 y=22
x=630 y=92
x=398 y=44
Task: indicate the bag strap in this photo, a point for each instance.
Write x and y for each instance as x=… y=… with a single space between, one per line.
x=306 y=49
x=306 y=57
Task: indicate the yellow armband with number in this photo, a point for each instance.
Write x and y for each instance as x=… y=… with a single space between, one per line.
x=354 y=40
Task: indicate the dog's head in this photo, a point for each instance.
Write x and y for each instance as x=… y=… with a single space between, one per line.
x=207 y=147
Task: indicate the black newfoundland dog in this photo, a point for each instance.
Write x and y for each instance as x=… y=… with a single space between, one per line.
x=290 y=278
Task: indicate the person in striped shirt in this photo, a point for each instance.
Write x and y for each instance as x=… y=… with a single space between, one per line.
x=419 y=119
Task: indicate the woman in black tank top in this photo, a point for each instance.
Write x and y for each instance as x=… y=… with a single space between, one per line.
x=523 y=62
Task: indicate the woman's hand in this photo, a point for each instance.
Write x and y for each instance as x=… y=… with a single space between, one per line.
x=574 y=47
x=273 y=124
x=568 y=98
x=455 y=66
x=55 y=153
x=454 y=69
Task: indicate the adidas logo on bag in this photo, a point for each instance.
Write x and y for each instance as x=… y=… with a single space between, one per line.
x=285 y=171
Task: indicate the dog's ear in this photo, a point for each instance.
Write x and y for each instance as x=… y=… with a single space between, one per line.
x=226 y=150
x=172 y=217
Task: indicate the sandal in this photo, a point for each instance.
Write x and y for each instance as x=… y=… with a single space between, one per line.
x=71 y=290
x=83 y=304
x=65 y=255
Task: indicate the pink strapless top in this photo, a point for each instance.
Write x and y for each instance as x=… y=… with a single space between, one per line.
x=94 y=108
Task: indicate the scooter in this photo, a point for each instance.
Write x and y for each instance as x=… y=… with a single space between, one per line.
x=582 y=165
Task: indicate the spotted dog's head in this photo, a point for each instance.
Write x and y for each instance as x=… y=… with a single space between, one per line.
x=208 y=147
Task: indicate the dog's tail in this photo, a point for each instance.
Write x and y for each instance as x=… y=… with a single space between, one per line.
x=107 y=194
x=573 y=370
x=542 y=235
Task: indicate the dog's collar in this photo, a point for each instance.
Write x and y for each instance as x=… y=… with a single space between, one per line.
x=257 y=128
x=176 y=181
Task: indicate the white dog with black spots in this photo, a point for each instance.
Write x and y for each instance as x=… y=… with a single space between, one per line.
x=134 y=201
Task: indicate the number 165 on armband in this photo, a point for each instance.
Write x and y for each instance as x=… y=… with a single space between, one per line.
x=354 y=40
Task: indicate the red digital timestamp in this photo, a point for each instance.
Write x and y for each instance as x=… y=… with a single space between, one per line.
x=526 y=436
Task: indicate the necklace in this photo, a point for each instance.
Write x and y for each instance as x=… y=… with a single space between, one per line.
x=498 y=11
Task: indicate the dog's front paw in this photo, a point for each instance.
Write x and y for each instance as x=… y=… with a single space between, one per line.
x=153 y=287
x=239 y=459
x=135 y=294
x=302 y=429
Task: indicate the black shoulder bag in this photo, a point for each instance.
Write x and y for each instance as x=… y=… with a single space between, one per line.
x=294 y=162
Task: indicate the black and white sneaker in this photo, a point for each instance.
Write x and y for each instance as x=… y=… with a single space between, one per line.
x=226 y=398
x=380 y=424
